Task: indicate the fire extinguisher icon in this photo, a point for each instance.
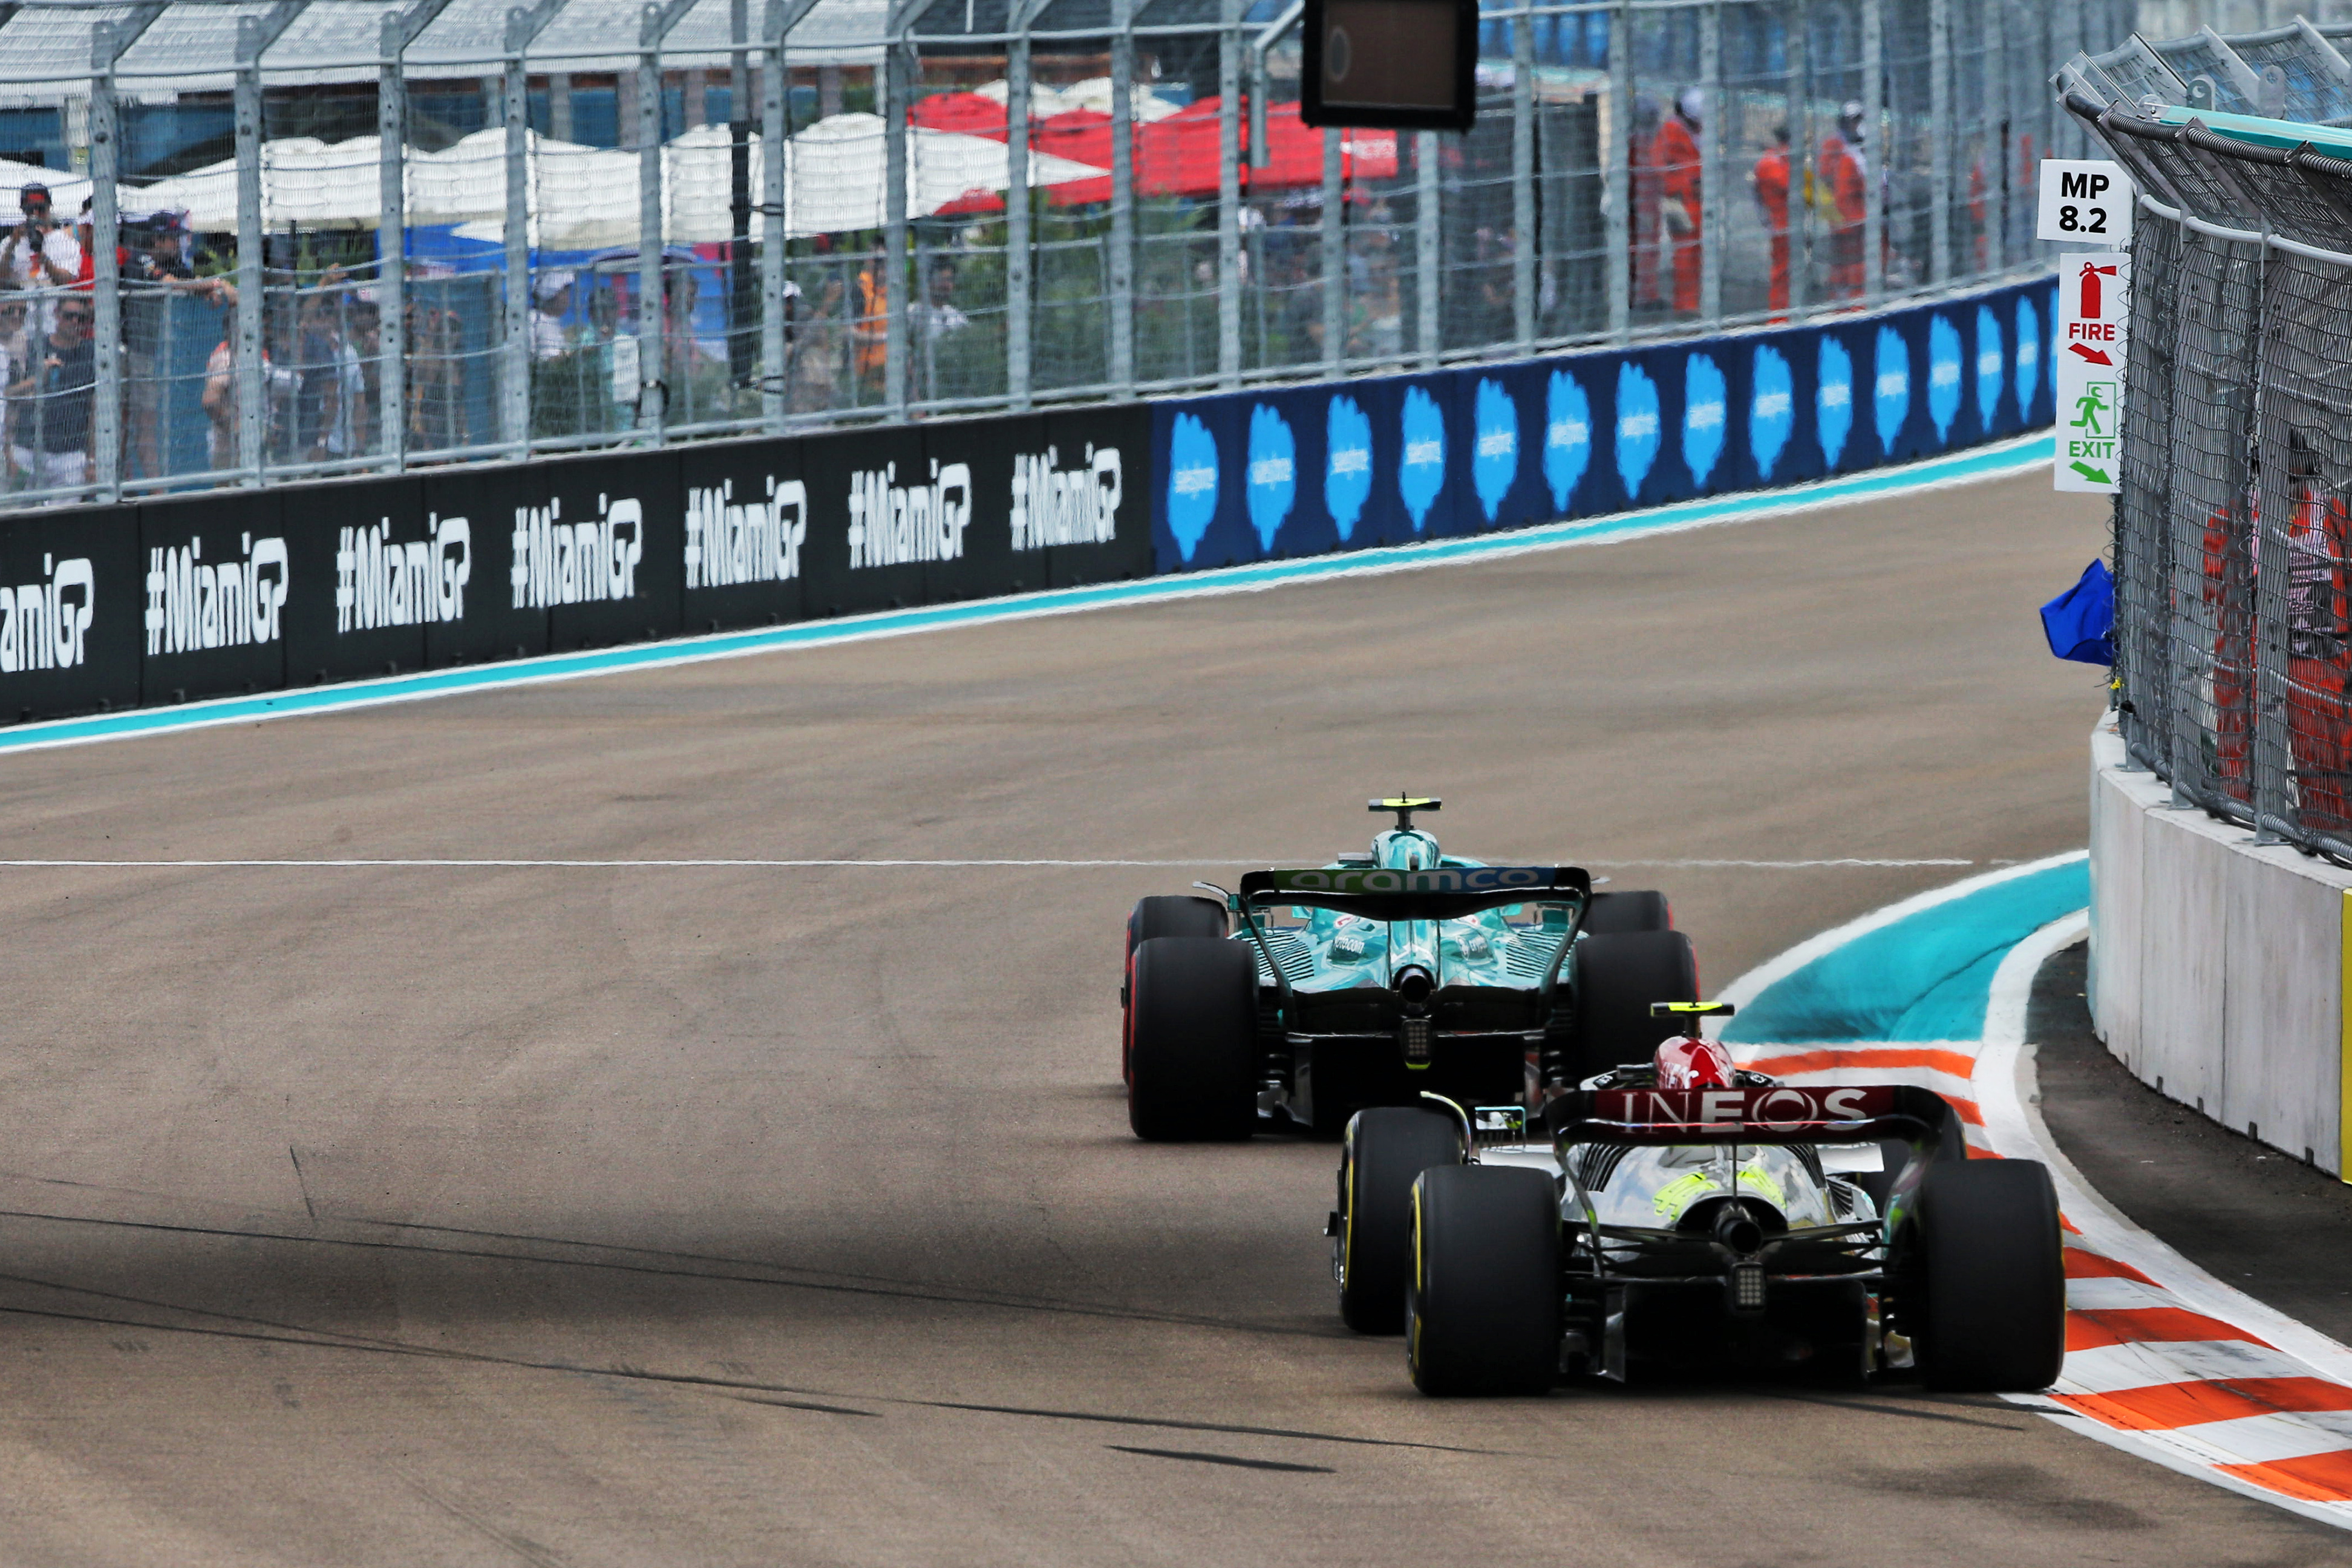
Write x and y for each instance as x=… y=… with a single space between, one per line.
x=2090 y=310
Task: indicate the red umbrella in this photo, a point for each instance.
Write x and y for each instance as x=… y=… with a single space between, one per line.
x=967 y=112
x=1176 y=156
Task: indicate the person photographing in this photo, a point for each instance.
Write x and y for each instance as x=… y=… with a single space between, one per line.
x=40 y=252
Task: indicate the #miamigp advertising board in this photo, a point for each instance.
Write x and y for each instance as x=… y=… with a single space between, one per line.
x=1382 y=460
x=223 y=592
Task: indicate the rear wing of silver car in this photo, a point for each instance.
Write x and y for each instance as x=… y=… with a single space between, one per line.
x=1770 y=1113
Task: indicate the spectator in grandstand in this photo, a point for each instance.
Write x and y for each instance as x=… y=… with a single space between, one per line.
x=870 y=334
x=1771 y=182
x=223 y=398
x=51 y=446
x=153 y=271
x=39 y=253
x=327 y=393
x=566 y=385
x=818 y=345
x=1838 y=196
x=1675 y=155
x=551 y=303
x=14 y=345
x=1649 y=196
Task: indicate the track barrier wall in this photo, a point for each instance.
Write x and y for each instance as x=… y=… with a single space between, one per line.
x=1386 y=460
x=228 y=591
x=2218 y=965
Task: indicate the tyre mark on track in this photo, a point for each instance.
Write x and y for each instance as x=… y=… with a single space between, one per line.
x=893 y=1291
x=805 y=1405
x=729 y=1387
x=1234 y=1459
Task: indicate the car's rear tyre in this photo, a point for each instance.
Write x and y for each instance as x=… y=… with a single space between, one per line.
x=1617 y=978
x=1193 y=1060
x=1385 y=1150
x=1483 y=1315
x=1179 y=915
x=1986 y=1291
x=1615 y=914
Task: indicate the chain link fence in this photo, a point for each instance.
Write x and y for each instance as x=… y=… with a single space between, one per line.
x=363 y=235
x=2233 y=569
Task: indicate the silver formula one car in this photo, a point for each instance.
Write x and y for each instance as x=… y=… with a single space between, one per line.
x=1305 y=996
x=1681 y=1213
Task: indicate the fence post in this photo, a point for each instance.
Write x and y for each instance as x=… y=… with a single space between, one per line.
x=1122 y=199
x=1939 y=138
x=514 y=402
x=1017 y=286
x=775 y=87
x=1877 y=150
x=107 y=349
x=1229 y=196
x=1523 y=177
x=1803 y=168
x=391 y=238
x=653 y=293
x=1710 y=165
x=1617 y=184
x=1997 y=85
x=1334 y=253
x=251 y=383
x=652 y=384
x=896 y=103
x=1424 y=210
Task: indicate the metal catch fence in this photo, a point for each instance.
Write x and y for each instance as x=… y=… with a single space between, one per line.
x=2232 y=531
x=360 y=236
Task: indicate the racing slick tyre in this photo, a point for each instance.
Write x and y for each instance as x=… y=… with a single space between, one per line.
x=1182 y=915
x=1195 y=1055
x=1385 y=1150
x=1614 y=914
x=1483 y=1316
x=1617 y=978
x=1987 y=1288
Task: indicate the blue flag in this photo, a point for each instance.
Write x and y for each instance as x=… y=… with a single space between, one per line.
x=2081 y=622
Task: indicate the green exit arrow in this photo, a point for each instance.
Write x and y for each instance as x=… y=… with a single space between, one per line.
x=2097 y=475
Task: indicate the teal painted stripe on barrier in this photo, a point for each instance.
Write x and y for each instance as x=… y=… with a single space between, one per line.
x=1924 y=977
x=1993 y=461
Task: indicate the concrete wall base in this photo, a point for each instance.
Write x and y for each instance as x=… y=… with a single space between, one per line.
x=2217 y=965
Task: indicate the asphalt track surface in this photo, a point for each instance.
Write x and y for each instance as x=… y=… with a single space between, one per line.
x=756 y=1216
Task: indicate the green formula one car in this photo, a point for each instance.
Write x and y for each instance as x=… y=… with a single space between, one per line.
x=1305 y=996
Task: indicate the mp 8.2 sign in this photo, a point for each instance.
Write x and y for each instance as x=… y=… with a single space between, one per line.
x=2087 y=202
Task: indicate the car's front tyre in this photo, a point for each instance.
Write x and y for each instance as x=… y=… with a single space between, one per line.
x=1193 y=1053
x=1385 y=1150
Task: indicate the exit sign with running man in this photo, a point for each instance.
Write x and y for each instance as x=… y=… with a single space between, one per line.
x=2094 y=334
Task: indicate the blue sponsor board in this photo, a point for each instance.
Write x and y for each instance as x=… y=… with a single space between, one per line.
x=1390 y=459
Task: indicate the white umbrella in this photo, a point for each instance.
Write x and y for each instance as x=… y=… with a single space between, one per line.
x=835 y=174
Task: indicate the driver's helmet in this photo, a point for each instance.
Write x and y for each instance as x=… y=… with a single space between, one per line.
x=1685 y=1063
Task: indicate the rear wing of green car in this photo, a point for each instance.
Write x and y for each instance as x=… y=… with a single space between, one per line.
x=1442 y=893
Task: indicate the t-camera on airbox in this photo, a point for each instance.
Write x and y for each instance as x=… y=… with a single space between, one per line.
x=1404 y=65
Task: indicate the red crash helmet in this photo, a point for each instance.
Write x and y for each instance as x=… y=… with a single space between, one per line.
x=1685 y=1063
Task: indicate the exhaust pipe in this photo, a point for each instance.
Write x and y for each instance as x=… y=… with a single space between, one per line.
x=1414 y=987
x=1737 y=1231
